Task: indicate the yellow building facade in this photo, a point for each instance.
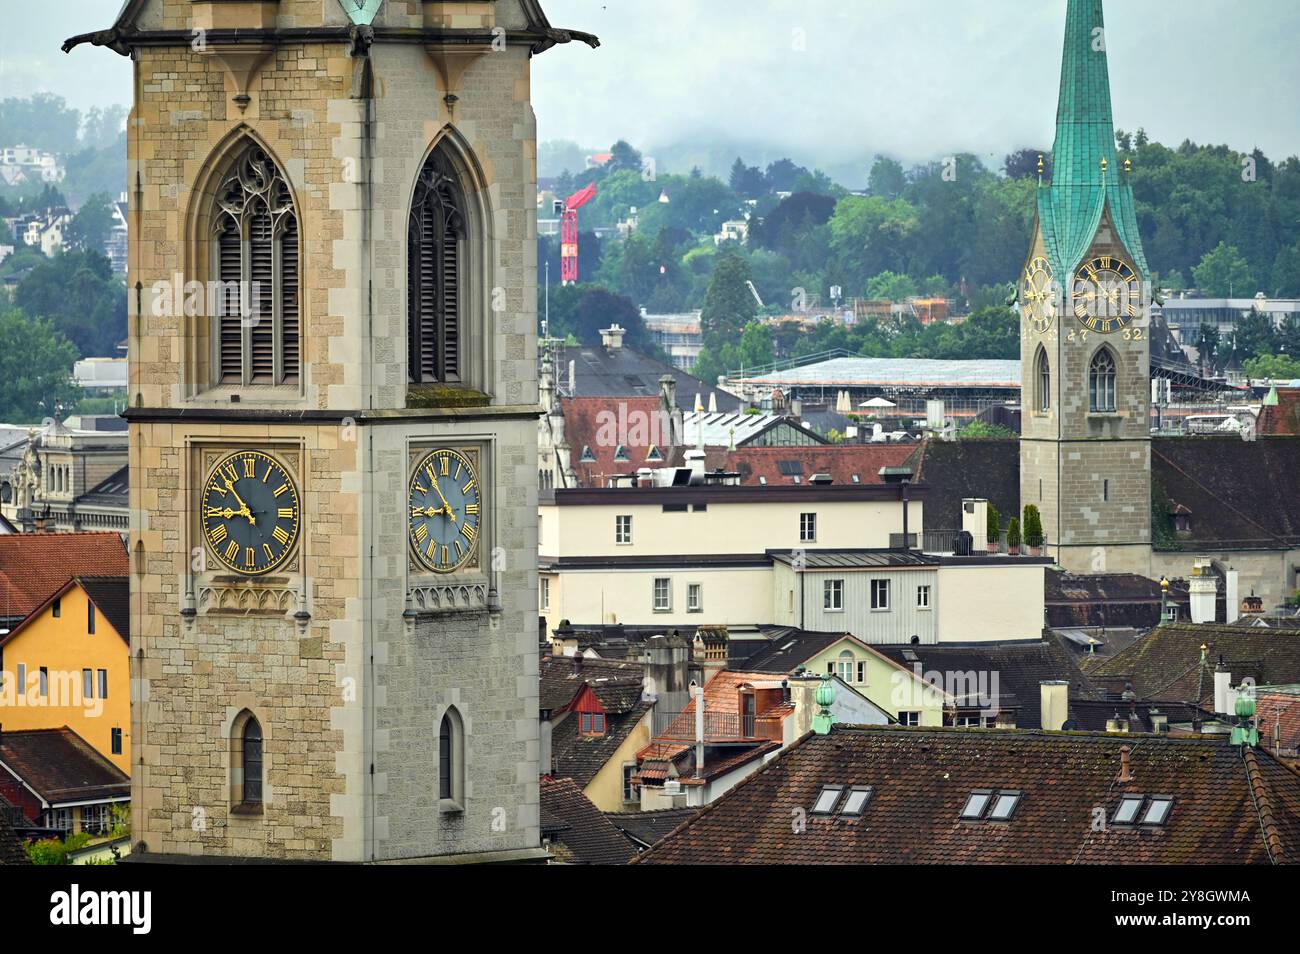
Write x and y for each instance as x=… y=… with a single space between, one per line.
x=67 y=664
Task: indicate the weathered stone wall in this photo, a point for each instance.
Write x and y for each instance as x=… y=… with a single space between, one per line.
x=353 y=683
x=1094 y=486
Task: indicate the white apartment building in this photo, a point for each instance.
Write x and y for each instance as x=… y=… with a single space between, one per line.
x=817 y=557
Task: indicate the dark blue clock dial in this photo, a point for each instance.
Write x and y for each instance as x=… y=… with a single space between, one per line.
x=444 y=507
x=251 y=513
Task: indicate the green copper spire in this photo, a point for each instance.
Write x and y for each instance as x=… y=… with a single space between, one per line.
x=1087 y=176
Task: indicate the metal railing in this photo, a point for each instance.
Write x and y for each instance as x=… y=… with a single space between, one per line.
x=955 y=542
x=718 y=726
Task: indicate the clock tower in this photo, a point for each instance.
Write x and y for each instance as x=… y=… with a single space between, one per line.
x=1084 y=294
x=333 y=405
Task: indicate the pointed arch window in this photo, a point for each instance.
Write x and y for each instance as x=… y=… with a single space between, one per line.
x=246 y=764
x=451 y=761
x=1101 y=382
x=436 y=239
x=255 y=257
x=1043 y=377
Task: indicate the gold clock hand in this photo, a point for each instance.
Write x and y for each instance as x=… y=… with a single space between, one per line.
x=243 y=507
x=446 y=507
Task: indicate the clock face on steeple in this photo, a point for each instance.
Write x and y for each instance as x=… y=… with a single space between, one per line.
x=445 y=505
x=1038 y=296
x=1107 y=294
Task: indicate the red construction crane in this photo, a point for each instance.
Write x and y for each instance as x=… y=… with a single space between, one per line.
x=569 y=233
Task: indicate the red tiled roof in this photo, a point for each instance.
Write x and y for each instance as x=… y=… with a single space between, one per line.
x=35 y=566
x=61 y=766
x=1228 y=808
x=1282 y=419
x=599 y=425
x=841 y=461
x=569 y=817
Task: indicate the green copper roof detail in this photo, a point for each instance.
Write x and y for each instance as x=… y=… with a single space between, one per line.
x=825 y=698
x=361 y=12
x=1087 y=176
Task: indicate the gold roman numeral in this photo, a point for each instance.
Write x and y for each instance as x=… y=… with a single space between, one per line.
x=232 y=551
x=250 y=467
x=217 y=534
x=281 y=535
x=250 y=557
x=468 y=531
x=471 y=508
x=281 y=489
x=446 y=555
x=446 y=465
x=266 y=548
x=421 y=532
x=286 y=512
x=468 y=487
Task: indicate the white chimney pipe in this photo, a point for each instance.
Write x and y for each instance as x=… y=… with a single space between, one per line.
x=1230 y=594
x=698 y=693
x=1222 y=688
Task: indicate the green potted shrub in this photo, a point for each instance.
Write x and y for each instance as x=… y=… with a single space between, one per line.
x=992 y=529
x=1033 y=530
x=1013 y=536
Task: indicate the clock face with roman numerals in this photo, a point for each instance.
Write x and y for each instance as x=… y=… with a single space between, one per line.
x=250 y=512
x=1107 y=294
x=444 y=510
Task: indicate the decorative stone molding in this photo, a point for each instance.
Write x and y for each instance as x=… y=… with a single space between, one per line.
x=241 y=64
x=437 y=598
x=246 y=600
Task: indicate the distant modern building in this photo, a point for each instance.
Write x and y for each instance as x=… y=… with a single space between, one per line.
x=101 y=376
x=20 y=164
x=678 y=335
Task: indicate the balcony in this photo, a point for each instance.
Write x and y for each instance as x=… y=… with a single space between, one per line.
x=718 y=726
x=952 y=543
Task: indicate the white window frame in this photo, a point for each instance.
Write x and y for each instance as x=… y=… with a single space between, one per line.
x=833 y=596
x=695 y=597
x=878 y=586
x=909 y=717
x=845 y=665
x=623 y=529
x=923 y=596
x=808 y=527
x=544 y=594
x=667 y=605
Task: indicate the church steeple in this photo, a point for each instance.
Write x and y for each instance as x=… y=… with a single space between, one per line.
x=1087 y=178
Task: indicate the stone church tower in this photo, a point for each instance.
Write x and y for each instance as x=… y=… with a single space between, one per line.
x=1085 y=446
x=333 y=426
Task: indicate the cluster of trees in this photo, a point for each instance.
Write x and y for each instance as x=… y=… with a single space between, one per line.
x=91 y=145
x=1224 y=222
x=63 y=308
x=735 y=338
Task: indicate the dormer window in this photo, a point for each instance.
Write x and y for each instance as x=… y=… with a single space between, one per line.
x=592 y=723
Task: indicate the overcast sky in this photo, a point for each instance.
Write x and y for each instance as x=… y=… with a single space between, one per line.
x=831 y=81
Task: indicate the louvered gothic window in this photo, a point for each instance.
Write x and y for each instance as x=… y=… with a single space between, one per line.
x=435 y=239
x=255 y=257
